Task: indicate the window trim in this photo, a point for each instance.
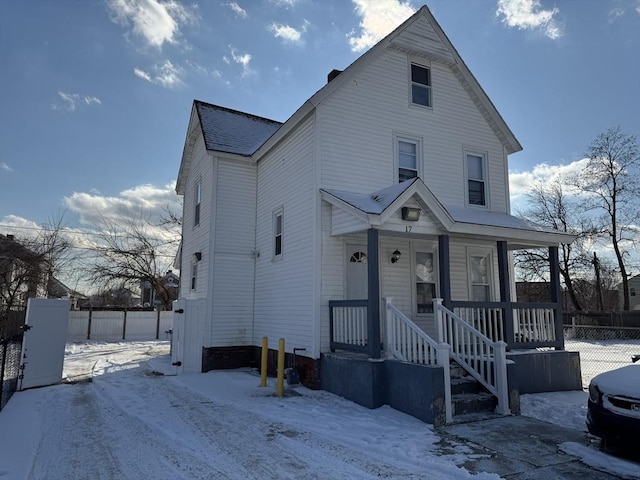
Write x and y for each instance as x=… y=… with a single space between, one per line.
x=407 y=138
x=481 y=252
x=427 y=66
x=278 y=212
x=485 y=172
x=193 y=286
x=197 y=200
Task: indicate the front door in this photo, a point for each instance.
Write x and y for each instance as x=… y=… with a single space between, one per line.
x=356 y=272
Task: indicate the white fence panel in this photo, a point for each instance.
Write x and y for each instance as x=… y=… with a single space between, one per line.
x=107 y=326
x=141 y=326
x=78 y=325
x=166 y=324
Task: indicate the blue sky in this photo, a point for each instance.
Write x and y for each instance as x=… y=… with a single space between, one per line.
x=95 y=96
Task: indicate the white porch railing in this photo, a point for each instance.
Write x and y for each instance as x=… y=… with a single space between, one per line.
x=348 y=324
x=487 y=320
x=408 y=342
x=534 y=324
x=480 y=356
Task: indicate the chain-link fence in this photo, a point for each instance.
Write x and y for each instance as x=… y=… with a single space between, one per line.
x=11 y=335
x=602 y=348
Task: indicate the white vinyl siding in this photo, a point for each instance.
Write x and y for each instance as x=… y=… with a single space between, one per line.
x=233 y=256
x=285 y=295
x=197 y=239
x=358 y=121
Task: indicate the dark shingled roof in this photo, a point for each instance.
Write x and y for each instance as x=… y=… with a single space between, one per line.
x=231 y=131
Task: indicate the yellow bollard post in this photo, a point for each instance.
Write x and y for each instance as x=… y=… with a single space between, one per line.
x=263 y=362
x=280 y=379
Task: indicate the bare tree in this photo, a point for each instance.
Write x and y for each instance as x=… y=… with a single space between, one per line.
x=551 y=207
x=130 y=254
x=28 y=265
x=611 y=183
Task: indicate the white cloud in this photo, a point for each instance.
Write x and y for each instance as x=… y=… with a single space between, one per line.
x=529 y=15
x=378 y=19
x=146 y=200
x=241 y=59
x=238 y=10
x=521 y=182
x=284 y=3
x=70 y=101
x=289 y=34
x=167 y=75
x=5 y=167
x=156 y=21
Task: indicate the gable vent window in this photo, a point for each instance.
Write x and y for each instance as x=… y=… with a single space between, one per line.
x=420 y=85
x=196 y=214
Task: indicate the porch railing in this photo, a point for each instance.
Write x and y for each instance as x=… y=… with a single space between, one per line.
x=406 y=341
x=481 y=357
x=520 y=325
x=348 y=325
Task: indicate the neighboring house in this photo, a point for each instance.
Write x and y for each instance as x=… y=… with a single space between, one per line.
x=22 y=274
x=149 y=296
x=634 y=293
x=390 y=182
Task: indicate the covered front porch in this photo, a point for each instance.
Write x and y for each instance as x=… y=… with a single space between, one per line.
x=438 y=286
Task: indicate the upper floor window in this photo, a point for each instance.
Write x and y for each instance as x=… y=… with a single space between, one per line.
x=420 y=85
x=194 y=274
x=476 y=180
x=278 y=230
x=407 y=160
x=197 y=198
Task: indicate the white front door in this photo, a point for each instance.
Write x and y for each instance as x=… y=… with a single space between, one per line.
x=356 y=272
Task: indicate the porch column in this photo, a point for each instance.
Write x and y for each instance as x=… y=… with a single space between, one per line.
x=444 y=270
x=505 y=291
x=373 y=284
x=556 y=293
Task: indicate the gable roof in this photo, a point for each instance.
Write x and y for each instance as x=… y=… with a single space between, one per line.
x=446 y=54
x=377 y=207
x=232 y=131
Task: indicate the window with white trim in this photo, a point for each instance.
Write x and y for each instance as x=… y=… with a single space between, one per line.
x=480 y=277
x=278 y=231
x=420 y=85
x=425 y=280
x=197 y=198
x=408 y=156
x=194 y=274
x=476 y=179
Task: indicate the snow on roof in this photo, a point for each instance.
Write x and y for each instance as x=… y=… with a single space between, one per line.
x=232 y=131
x=376 y=202
x=496 y=219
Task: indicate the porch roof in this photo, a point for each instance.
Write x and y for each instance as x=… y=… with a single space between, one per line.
x=374 y=209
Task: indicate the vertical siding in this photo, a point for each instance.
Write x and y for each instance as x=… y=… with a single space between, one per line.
x=284 y=295
x=233 y=260
x=358 y=122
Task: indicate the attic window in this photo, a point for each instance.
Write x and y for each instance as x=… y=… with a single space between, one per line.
x=420 y=85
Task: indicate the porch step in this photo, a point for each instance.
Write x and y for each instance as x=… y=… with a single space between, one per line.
x=466 y=385
x=473 y=403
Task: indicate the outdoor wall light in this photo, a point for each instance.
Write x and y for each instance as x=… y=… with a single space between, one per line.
x=411 y=214
x=395 y=256
x=197 y=256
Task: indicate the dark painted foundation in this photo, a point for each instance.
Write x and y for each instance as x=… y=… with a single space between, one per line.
x=417 y=390
x=551 y=371
x=222 y=358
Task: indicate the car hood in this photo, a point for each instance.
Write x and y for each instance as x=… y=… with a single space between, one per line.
x=622 y=381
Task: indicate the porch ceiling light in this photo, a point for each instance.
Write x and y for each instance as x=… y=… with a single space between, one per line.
x=395 y=256
x=411 y=214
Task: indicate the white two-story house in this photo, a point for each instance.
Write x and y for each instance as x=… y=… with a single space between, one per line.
x=339 y=229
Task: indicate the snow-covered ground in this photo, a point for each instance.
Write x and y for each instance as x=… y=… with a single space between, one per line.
x=133 y=422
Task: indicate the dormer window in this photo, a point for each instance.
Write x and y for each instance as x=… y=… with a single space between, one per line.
x=420 y=85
